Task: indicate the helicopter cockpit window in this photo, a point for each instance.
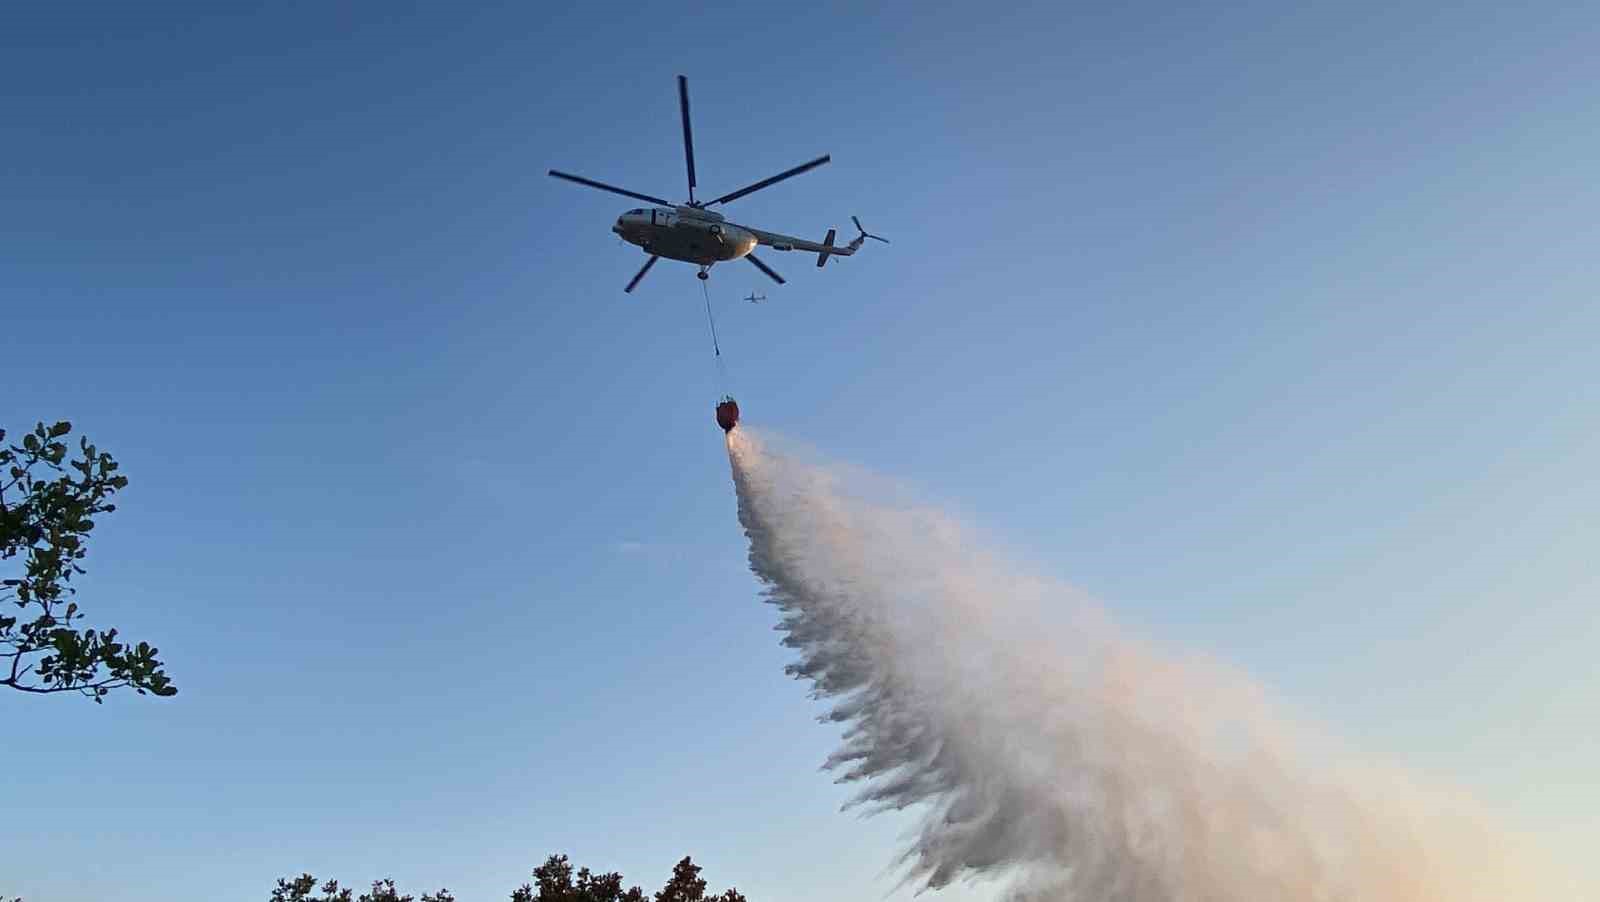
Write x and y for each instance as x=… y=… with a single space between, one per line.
x=636 y=210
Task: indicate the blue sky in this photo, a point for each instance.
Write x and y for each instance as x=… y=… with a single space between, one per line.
x=1274 y=329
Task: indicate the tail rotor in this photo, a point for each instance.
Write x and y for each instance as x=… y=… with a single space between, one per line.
x=864 y=235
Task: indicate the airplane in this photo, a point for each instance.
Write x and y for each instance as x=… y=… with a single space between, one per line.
x=694 y=234
x=755 y=298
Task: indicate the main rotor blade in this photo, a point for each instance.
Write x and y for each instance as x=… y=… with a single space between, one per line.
x=764 y=183
x=642 y=270
x=764 y=268
x=688 y=136
x=612 y=188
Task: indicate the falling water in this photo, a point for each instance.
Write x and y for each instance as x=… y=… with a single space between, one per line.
x=1057 y=755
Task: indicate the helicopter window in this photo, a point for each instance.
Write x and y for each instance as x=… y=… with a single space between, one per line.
x=638 y=210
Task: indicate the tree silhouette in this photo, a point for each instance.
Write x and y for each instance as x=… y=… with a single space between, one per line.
x=686 y=885
x=305 y=888
x=554 y=881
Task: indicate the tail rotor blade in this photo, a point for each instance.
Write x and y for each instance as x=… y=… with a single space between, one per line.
x=642 y=270
x=771 y=273
x=865 y=233
x=688 y=136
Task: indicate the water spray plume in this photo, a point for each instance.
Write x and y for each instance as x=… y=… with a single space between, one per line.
x=1056 y=755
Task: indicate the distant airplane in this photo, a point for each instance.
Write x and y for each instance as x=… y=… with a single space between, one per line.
x=755 y=298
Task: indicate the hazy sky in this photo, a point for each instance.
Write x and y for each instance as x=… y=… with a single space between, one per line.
x=1275 y=330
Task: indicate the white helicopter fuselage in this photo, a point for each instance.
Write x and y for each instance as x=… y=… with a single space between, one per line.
x=690 y=234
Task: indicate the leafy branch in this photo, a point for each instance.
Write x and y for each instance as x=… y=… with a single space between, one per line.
x=47 y=511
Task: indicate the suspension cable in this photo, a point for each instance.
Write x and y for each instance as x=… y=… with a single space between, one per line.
x=713 y=323
x=722 y=367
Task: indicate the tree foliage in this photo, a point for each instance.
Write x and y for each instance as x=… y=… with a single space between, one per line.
x=46 y=514
x=553 y=881
x=686 y=885
x=305 y=888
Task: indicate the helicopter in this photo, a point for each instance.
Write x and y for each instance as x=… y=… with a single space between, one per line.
x=694 y=234
x=754 y=298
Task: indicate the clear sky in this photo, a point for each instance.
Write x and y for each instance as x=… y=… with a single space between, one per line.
x=1275 y=330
